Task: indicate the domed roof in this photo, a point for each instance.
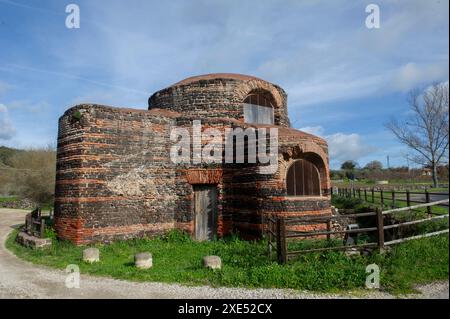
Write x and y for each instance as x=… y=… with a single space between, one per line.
x=212 y=76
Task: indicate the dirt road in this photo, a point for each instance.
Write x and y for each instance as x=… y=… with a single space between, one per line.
x=20 y=279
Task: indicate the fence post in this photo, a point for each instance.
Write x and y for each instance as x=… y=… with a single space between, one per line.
x=393 y=198
x=28 y=223
x=373 y=196
x=353 y=192
x=359 y=193
x=328 y=229
x=269 y=237
x=365 y=194
x=380 y=227
x=281 y=241
x=382 y=199
x=42 y=230
x=408 y=198
x=427 y=199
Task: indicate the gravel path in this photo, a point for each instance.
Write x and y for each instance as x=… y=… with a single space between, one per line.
x=20 y=279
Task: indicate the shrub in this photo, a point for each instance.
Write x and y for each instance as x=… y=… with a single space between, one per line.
x=34 y=175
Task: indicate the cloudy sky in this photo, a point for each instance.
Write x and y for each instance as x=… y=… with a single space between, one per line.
x=343 y=80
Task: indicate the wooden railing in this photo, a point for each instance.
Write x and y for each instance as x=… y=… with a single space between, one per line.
x=279 y=233
x=35 y=223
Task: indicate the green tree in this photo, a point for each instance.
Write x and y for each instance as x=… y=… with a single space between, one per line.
x=349 y=165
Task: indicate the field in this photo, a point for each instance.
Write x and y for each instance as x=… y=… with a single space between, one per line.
x=177 y=258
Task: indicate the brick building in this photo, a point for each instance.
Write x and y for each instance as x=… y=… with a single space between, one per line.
x=116 y=179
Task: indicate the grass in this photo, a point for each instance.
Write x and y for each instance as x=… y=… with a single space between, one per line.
x=387 y=201
x=8 y=199
x=177 y=259
x=438 y=190
x=392 y=183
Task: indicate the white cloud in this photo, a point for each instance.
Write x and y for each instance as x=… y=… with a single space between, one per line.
x=27 y=105
x=7 y=129
x=315 y=130
x=411 y=75
x=333 y=88
x=342 y=146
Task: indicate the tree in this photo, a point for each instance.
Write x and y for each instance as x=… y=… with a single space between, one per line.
x=349 y=165
x=374 y=165
x=34 y=174
x=425 y=132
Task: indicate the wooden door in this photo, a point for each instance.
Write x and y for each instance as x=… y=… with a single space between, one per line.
x=205 y=208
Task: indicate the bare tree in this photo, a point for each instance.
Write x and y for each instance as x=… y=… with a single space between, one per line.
x=426 y=131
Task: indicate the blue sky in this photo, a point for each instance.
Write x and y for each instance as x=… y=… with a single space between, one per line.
x=343 y=80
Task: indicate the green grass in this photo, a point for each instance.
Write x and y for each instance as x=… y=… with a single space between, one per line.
x=438 y=190
x=387 y=201
x=177 y=258
x=392 y=183
x=8 y=199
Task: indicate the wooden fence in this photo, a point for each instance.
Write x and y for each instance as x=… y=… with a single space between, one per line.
x=35 y=222
x=279 y=232
x=392 y=198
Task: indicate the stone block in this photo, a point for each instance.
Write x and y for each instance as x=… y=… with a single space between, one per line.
x=33 y=242
x=212 y=262
x=91 y=255
x=143 y=260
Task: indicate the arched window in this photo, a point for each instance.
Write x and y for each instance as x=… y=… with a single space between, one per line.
x=303 y=179
x=258 y=108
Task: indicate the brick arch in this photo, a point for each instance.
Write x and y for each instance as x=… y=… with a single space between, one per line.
x=242 y=90
x=312 y=152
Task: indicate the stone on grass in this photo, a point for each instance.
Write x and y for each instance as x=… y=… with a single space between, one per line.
x=212 y=262
x=143 y=260
x=91 y=255
x=352 y=252
x=33 y=242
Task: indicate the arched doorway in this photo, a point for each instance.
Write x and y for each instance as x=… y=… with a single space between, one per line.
x=303 y=179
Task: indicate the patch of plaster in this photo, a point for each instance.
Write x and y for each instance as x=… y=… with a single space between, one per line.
x=132 y=184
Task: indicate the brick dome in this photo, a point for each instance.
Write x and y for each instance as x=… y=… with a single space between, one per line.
x=213 y=76
x=219 y=95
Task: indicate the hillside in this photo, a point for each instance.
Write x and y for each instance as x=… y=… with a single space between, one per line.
x=6 y=153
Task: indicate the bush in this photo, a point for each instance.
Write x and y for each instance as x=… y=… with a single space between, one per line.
x=346 y=202
x=34 y=175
